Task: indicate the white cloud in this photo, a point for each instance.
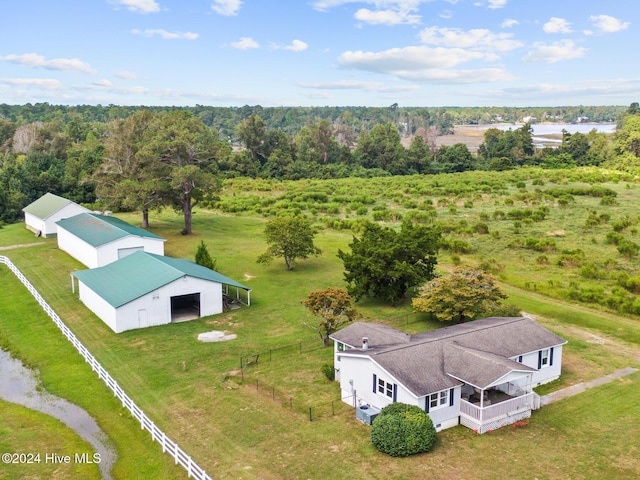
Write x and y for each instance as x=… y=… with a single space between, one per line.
x=138 y=6
x=102 y=83
x=126 y=75
x=386 y=12
x=386 y=17
x=424 y=64
x=497 y=3
x=557 y=25
x=446 y=14
x=296 y=46
x=555 y=52
x=509 y=22
x=60 y=64
x=46 y=83
x=358 y=85
x=152 y=32
x=245 y=43
x=226 y=7
x=608 y=24
x=477 y=38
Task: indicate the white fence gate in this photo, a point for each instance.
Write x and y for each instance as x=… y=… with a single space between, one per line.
x=168 y=445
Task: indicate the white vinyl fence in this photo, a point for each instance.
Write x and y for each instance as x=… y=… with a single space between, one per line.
x=168 y=445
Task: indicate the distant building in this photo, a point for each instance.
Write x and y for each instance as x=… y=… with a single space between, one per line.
x=97 y=240
x=41 y=216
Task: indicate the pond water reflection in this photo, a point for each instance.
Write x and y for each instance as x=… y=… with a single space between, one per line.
x=19 y=385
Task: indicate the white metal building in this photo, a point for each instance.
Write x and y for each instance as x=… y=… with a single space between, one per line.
x=143 y=290
x=97 y=240
x=41 y=216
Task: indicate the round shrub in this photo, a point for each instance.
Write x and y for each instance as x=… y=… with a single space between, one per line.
x=401 y=430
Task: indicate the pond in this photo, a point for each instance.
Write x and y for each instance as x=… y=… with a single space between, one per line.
x=20 y=385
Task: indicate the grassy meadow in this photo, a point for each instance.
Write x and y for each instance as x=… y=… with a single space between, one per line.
x=194 y=390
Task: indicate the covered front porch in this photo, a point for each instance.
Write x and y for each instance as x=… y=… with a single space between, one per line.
x=502 y=410
x=498 y=404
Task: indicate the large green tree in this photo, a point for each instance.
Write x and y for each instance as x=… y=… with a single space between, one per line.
x=385 y=263
x=188 y=151
x=460 y=296
x=290 y=238
x=128 y=177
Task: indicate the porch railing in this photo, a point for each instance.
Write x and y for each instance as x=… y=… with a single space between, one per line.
x=508 y=407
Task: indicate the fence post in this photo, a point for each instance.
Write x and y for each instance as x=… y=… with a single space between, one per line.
x=310 y=415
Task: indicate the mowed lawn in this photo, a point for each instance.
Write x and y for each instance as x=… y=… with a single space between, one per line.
x=192 y=390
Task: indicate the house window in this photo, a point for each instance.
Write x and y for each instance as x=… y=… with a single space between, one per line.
x=340 y=347
x=385 y=388
x=544 y=358
x=439 y=399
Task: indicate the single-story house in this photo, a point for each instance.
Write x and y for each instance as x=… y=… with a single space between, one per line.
x=143 y=290
x=97 y=240
x=41 y=216
x=479 y=374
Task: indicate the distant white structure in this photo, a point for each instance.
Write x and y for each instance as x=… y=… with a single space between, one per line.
x=41 y=216
x=97 y=240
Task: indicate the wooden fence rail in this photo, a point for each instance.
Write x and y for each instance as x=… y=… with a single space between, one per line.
x=168 y=445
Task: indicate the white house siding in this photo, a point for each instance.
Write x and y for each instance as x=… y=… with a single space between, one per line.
x=156 y=305
x=108 y=253
x=47 y=226
x=446 y=416
x=544 y=374
x=77 y=248
x=360 y=371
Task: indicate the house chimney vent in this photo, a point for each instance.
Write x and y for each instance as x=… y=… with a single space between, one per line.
x=365 y=343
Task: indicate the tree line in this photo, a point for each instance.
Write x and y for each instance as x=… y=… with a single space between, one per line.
x=148 y=159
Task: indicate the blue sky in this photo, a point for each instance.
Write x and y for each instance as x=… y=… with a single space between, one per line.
x=320 y=52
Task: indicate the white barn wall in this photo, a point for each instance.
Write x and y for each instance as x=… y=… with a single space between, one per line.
x=77 y=248
x=108 y=253
x=98 y=305
x=47 y=226
x=157 y=304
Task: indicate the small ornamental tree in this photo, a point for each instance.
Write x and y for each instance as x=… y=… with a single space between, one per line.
x=290 y=238
x=333 y=309
x=401 y=430
x=460 y=296
x=203 y=258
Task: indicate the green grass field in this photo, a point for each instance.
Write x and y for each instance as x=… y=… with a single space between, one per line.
x=234 y=430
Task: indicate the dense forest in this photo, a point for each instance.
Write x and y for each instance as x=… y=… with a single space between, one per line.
x=145 y=158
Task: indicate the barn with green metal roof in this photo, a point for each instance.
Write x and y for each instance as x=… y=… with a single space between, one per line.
x=41 y=216
x=97 y=240
x=143 y=290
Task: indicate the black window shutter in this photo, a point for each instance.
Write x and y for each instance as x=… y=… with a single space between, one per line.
x=539 y=359
x=551 y=356
x=375 y=383
x=426 y=407
x=520 y=359
x=395 y=392
x=451 y=397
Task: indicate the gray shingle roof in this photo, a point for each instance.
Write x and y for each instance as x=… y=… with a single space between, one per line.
x=478 y=351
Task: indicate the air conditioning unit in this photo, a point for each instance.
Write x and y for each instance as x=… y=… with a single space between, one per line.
x=367 y=414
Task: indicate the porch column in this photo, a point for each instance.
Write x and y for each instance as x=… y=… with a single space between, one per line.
x=481 y=408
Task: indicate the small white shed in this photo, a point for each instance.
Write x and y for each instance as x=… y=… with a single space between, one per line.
x=41 y=216
x=144 y=290
x=97 y=240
